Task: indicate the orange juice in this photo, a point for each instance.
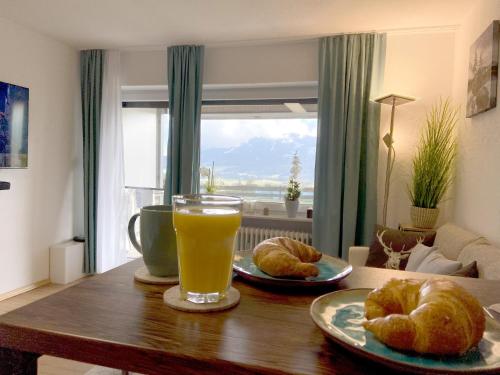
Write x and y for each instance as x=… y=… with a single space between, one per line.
x=205 y=242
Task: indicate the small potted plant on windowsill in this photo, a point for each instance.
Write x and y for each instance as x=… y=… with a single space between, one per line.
x=433 y=165
x=292 y=198
x=293 y=189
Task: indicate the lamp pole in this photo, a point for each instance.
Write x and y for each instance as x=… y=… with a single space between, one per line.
x=393 y=100
x=391 y=158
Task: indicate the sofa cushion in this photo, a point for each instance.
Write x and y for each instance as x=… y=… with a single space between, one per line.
x=358 y=255
x=487 y=258
x=451 y=239
x=469 y=270
x=418 y=254
x=391 y=247
x=438 y=264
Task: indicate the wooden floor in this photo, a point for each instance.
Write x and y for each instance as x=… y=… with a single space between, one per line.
x=51 y=365
x=32 y=296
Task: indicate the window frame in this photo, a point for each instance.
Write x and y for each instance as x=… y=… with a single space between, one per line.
x=227 y=102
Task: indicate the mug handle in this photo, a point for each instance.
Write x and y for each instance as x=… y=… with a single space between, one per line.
x=131 y=232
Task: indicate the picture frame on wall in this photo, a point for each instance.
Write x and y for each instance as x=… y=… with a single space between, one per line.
x=14 y=114
x=483 y=71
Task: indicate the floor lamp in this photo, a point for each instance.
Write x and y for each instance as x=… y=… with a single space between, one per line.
x=394 y=100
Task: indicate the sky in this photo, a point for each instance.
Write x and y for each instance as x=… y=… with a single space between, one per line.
x=232 y=133
x=256 y=149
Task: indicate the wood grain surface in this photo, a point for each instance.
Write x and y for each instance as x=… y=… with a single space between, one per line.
x=113 y=321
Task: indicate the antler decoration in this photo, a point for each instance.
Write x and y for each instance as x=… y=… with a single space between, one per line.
x=394 y=257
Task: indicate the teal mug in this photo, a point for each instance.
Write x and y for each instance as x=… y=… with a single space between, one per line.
x=158 y=241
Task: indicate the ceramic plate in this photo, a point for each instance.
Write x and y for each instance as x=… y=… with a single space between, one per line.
x=331 y=270
x=340 y=315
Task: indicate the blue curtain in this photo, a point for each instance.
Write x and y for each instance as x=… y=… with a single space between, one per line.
x=185 y=70
x=345 y=195
x=91 y=68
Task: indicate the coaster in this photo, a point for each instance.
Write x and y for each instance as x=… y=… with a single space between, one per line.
x=142 y=275
x=172 y=298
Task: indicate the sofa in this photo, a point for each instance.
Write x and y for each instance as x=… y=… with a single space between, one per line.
x=455 y=243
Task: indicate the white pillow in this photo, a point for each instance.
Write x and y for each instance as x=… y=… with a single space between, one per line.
x=437 y=263
x=417 y=255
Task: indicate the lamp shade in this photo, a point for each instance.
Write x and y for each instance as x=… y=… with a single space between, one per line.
x=395 y=99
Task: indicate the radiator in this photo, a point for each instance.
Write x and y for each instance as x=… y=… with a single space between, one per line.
x=249 y=237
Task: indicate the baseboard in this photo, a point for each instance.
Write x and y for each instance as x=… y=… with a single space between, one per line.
x=24 y=289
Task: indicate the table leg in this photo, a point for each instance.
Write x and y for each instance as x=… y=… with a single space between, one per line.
x=14 y=362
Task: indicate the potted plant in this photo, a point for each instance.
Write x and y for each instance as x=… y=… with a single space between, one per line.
x=433 y=164
x=293 y=189
x=292 y=197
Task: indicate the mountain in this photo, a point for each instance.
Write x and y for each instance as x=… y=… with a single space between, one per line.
x=263 y=159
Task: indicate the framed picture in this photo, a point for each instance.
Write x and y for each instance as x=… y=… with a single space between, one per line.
x=483 y=71
x=14 y=113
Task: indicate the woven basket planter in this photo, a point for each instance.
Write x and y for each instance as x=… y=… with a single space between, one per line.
x=424 y=217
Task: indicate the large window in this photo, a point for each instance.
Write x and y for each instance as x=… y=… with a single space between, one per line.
x=250 y=145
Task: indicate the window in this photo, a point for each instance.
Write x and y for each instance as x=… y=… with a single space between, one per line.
x=145 y=132
x=145 y=135
x=252 y=147
x=250 y=144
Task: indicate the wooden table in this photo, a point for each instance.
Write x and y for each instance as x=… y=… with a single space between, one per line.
x=111 y=320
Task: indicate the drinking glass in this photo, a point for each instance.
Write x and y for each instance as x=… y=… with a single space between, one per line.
x=206 y=227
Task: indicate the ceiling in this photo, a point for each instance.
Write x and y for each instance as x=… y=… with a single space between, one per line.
x=140 y=23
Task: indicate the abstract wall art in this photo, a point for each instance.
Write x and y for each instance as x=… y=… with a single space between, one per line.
x=483 y=71
x=14 y=112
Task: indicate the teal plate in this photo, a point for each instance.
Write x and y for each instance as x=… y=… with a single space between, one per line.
x=340 y=315
x=331 y=271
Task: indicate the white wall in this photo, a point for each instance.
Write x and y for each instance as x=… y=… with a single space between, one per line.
x=269 y=63
x=281 y=62
x=477 y=193
x=38 y=210
x=418 y=65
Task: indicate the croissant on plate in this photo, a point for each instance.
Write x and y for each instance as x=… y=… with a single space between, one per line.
x=436 y=316
x=282 y=256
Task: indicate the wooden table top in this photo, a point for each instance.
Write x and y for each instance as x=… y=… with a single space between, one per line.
x=111 y=320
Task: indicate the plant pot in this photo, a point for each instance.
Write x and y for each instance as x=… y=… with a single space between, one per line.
x=291 y=208
x=424 y=217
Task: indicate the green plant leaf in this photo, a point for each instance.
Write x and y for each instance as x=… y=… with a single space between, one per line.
x=434 y=162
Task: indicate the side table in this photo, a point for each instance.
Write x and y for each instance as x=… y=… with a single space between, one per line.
x=410 y=228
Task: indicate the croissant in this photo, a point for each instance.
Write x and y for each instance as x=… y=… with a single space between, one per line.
x=435 y=316
x=281 y=256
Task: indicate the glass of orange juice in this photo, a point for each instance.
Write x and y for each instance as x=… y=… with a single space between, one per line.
x=206 y=227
